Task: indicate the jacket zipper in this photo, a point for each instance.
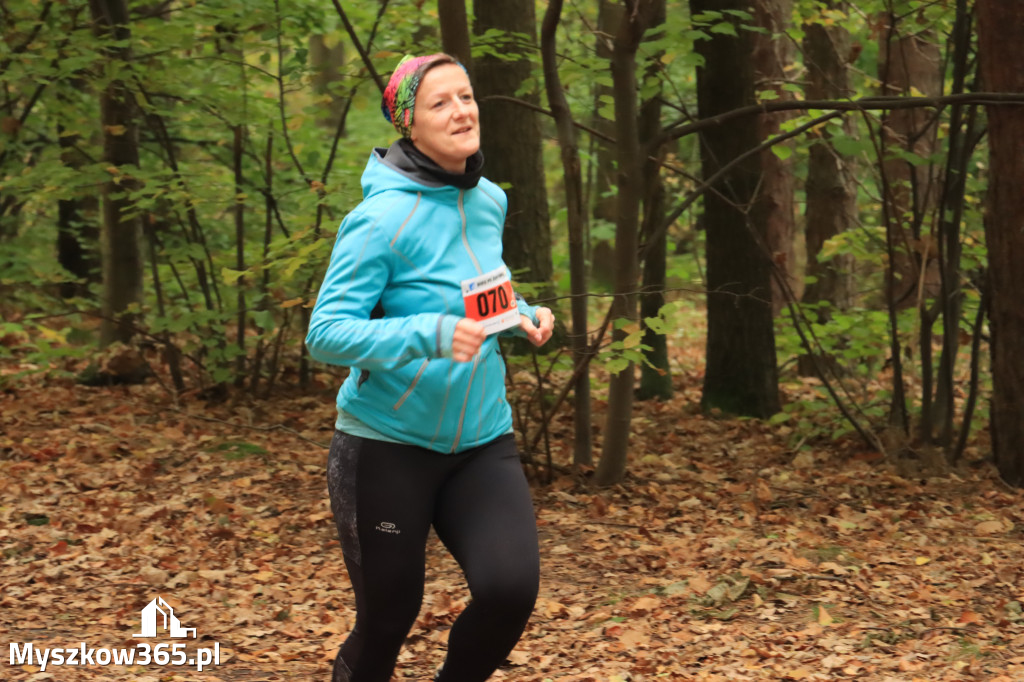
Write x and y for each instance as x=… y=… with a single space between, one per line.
x=465 y=404
x=465 y=237
x=479 y=271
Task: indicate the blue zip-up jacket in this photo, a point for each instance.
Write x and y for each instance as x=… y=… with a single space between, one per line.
x=407 y=247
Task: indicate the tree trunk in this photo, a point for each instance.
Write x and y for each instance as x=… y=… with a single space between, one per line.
x=773 y=52
x=964 y=133
x=830 y=188
x=77 y=225
x=741 y=375
x=511 y=139
x=655 y=374
x=455 y=31
x=909 y=62
x=601 y=247
x=121 y=231
x=326 y=63
x=238 y=148
x=577 y=218
x=615 y=448
x=1000 y=36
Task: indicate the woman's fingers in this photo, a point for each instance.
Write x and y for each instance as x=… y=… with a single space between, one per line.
x=538 y=333
x=469 y=335
x=547 y=324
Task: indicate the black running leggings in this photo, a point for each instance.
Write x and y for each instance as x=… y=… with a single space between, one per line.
x=385 y=497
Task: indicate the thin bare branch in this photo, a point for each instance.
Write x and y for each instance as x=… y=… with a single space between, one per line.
x=363 y=54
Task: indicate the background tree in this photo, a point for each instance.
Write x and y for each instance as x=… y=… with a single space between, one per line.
x=741 y=376
x=1000 y=34
x=451 y=16
x=512 y=139
x=618 y=422
x=909 y=61
x=773 y=61
x=965 y=132
x=576 y=216
x=601 y=176
x=21 y=29
x=326 y=60
x=655 y=372
x=78 y=212
x=121 y=231
x=830 y=188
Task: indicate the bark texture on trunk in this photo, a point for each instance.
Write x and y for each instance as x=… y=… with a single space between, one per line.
x=830 y=188
x=615 y=448
x=1000 y=36
x=655 y=373
x=511 y=138
x=327 y=81
x=831 y=191
x=601 y=242
x=741 y=375
x=577 y=220
x=455 y=30
x=909 y=61
x=77 y=225
x=773 y=54
x=121 y=232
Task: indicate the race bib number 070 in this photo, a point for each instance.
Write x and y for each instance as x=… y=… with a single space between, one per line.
x=490 y=301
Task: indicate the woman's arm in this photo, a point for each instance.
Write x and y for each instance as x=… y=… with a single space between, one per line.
x=340 y=329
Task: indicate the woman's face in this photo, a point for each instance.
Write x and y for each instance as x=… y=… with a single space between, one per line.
x=445 y=123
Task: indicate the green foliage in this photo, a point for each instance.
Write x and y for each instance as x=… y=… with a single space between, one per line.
x=203 y=70
x=502 y=45
x=855 y=345
x=196 y=74
x=618 y=354
x=39 y=346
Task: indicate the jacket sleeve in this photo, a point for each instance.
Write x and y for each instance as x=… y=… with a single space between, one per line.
x=340 y=329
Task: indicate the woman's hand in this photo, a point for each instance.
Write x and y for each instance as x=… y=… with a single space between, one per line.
x=538 y=333
x=469 y=335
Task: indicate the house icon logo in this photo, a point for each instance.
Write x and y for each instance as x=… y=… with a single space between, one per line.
x=151 y=622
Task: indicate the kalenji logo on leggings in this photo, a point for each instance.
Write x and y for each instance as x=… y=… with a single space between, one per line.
x=388 y=527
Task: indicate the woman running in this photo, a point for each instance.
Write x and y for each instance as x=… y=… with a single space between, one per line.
x=413 y=300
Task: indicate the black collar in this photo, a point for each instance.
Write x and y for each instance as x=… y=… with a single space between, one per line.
x=467 y=180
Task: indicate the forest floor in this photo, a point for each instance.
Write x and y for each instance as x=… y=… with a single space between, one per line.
x=725 y=555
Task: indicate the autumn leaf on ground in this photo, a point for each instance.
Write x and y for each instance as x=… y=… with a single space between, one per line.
x=708 y=564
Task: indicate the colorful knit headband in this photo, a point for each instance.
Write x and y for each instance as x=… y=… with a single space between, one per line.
x=400 y=96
